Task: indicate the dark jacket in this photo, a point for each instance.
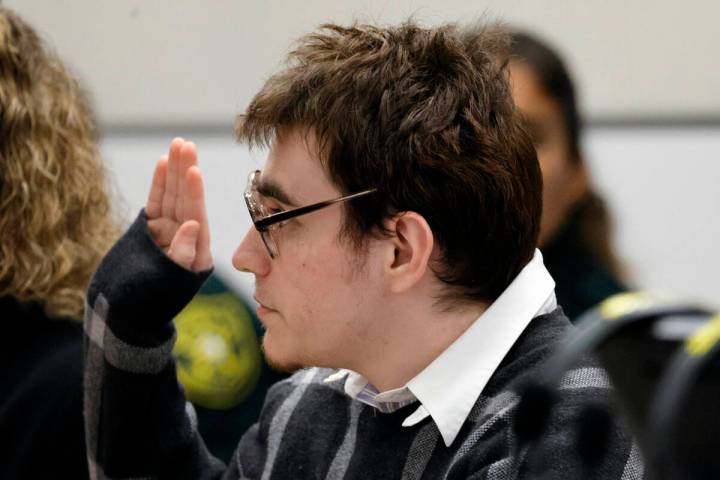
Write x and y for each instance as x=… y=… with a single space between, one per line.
x=581 y=279
x=41 y=422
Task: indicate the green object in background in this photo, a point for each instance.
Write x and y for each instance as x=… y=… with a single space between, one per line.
x=217 y=350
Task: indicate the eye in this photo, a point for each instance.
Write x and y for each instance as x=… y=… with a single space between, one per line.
x=271 y=207
x=274 y=209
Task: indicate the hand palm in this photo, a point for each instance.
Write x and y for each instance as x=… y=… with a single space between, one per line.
x=175 y=209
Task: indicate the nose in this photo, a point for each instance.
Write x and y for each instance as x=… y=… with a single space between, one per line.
x=251 y=255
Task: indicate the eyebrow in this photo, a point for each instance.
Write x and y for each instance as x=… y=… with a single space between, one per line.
x=268 y=188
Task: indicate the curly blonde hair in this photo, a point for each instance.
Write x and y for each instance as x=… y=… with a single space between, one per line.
x=55 y=211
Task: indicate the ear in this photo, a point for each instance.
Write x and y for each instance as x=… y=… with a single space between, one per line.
x=409 y=250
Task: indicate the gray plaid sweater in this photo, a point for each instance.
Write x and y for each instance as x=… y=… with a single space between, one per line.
x=139 y=425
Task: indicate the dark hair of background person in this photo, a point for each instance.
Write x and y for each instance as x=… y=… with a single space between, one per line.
x=555 y=79
x=590 y=214
x=427 y=118
x=56 y=224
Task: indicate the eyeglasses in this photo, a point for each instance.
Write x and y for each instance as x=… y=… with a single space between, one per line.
x=266 y=222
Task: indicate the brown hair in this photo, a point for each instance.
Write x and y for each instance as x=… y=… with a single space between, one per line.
x=56 y=221
x=425 y=116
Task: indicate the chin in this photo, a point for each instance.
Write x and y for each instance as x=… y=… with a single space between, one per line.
x=278 y=361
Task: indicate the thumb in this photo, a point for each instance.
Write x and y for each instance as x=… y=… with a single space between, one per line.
x=183 y=247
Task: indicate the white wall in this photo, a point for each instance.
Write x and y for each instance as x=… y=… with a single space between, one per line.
x=189 y=62
x=662 y=186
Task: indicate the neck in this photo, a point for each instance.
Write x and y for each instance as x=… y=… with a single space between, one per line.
x=408 y=338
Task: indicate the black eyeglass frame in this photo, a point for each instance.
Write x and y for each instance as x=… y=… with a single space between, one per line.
x=263 y=224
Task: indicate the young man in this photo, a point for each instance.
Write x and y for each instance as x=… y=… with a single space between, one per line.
x=394 y=252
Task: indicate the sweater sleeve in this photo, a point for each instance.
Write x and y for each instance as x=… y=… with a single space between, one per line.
x=137 y=421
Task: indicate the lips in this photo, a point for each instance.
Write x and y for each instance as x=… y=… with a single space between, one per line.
x=260 y=302
x=263 y=306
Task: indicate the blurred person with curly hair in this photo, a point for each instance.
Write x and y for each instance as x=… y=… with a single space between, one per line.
x=56 y=222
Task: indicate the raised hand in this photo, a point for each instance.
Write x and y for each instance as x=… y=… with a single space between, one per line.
x=176 y=208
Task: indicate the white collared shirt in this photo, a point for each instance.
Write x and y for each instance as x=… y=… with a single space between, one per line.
x=449 y=386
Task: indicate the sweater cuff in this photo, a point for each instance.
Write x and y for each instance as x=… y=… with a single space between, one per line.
x=142 y=286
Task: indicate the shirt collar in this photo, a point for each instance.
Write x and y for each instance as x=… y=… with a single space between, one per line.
x=449 y=386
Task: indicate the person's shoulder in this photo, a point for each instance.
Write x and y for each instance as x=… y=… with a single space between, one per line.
x=531 y=350
x=545 y=332
x=582 y=403
x=581 y=432
x=47 y=353
x=585 y=381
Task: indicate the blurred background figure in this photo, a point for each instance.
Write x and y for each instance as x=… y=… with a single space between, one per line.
x=575 y=231
x=55 y=223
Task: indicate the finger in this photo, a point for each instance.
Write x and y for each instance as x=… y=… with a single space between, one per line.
x=171 y=179
x=163 y=231
x=195 y=210
x=184 y=245
x=153 y=207
x=188 y=158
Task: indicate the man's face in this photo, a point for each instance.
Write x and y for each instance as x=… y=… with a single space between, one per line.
x=563 y=179
x=318 y=296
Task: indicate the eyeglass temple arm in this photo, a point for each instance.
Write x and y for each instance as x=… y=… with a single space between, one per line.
x=264 y=223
